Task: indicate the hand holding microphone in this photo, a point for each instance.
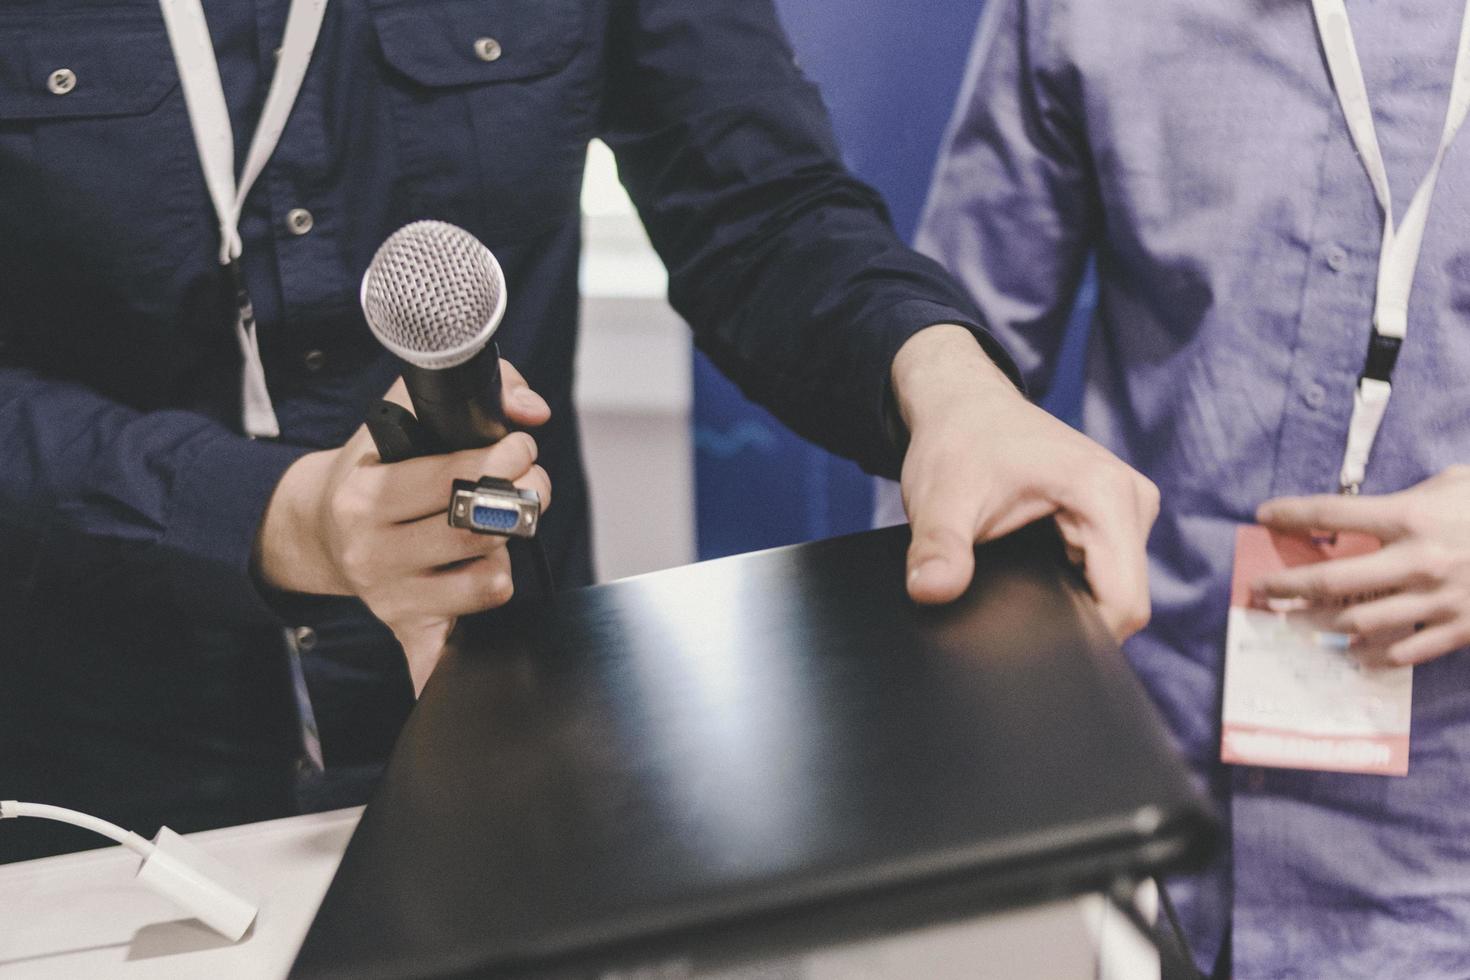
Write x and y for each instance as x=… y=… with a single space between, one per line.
x=343 y=523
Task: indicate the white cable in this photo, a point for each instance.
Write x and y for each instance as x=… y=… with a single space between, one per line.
x=172 y=866
x=138 y=845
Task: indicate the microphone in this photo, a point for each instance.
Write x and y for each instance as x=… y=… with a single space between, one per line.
x=434 y=296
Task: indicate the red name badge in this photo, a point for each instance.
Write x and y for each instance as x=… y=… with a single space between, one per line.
x=1297 y=695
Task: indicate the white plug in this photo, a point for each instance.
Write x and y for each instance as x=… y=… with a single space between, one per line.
x=199 y=884
x=172 y=866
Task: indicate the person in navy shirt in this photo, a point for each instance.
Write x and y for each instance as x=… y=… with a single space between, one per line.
x=156 y=564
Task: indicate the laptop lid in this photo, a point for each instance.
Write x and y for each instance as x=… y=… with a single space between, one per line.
x=760 y=750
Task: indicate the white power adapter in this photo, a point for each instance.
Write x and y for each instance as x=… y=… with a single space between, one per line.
x=172 y=866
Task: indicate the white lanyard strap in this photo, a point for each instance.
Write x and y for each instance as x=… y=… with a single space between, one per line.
x=204 y=96
x=1399 y=252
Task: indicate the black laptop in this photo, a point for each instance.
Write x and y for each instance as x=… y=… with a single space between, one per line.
x=688 y=769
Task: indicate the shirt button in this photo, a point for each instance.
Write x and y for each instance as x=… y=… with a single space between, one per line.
x=299 y=221
x=488 y=49
x=1336 y=258
x=61 y=81
x=305 y=638
x=314 y=360
x=1315 y=396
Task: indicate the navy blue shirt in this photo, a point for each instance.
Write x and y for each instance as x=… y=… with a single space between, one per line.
x=147 y=663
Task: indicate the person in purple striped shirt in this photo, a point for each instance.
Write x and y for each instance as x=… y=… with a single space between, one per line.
x=1198 y=152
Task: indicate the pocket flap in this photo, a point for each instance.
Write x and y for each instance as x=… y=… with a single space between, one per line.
x=467 y=42
x=118 y=68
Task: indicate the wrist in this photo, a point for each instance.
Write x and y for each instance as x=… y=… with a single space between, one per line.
x=290 y=553
x=940 y=366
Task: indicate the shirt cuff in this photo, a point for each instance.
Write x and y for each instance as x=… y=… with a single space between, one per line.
x=216 y=508
x=903 y=322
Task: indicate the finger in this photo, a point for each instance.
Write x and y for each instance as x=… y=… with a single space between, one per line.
x=484 y=583
x=1392 y=614
x=420 y=487
x=1389 y=570
x=477 y=586
x=419 y=547
x=1430 y=642
x=521 y=403
x=537 y=479
x=1112 y=539
x=1381 y=517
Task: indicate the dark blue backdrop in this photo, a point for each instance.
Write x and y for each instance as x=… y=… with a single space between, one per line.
x=890 y=72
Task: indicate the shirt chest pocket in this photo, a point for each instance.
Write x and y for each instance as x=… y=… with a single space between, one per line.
x=493 y=108
x=99 y=183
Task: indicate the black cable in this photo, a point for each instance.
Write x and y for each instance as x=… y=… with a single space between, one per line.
x=544 y=577
x=1175 y=926
x=1122 y=894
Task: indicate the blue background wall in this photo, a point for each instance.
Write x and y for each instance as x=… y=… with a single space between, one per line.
x=890 y=71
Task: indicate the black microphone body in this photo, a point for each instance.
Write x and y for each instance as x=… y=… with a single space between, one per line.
x=459 y=406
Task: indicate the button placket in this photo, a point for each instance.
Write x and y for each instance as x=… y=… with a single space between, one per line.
x=1335 y=304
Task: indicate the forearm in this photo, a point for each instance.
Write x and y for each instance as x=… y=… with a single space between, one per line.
x=784 y=263
x=810 y=323
x=170 y=499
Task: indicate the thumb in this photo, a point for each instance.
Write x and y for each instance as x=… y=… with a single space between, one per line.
x=948 y=516
x=941 y=558
x=521 y=403
x=940 y=565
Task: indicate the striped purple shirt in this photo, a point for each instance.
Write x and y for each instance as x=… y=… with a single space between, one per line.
x=1196 y=149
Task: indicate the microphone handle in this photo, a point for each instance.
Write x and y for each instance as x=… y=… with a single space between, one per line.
x=460 y=406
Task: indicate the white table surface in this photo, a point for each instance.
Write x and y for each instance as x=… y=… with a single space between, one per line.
x=80 y=916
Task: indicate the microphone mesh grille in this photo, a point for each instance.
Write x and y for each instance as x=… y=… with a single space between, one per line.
x=432 y=288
